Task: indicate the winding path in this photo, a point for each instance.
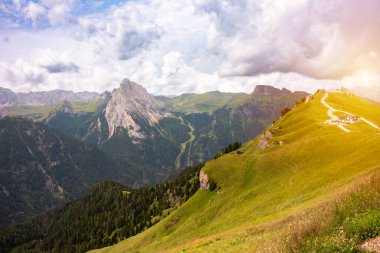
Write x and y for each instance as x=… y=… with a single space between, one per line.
x=334 y=119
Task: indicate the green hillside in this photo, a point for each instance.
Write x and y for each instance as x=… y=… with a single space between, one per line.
x=309 y=184
x=179 y=139
x=41 y=168
x=106 y=214
x=206 y=102
x=42 y=112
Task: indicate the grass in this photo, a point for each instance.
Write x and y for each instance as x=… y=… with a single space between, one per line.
x=263 y=194
x=34 y=112
x=39 y=113
x=206 y=102
x=91 y=106
x=351 y=219
x=356 y=105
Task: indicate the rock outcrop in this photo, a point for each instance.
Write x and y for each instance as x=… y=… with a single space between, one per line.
x=264 y=140
x=130 y=106
x=204 y=180
x=7 y=97
x=267 y=90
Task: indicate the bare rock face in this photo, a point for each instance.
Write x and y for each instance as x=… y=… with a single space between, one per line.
x=7 y=97
x=266 y=90
x=264 y=140
x=128 y=103
x=372 y=245
x=204 y=180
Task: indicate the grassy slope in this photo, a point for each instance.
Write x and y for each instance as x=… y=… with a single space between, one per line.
x=206 y=102
x=356 y=105
x=259 y=190
x=41 y=112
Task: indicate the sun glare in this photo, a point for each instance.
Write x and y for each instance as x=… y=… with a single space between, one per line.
x=364 y=77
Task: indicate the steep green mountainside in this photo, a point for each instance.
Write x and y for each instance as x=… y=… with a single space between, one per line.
x=106 y=214
x=304 y=185
x=178 y=139
x=160 y=136
x=41 y=168
x=206 y=102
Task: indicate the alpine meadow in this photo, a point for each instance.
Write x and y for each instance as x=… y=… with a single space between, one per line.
x=190 y=126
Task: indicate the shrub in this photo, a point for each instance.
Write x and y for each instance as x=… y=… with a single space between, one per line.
x=363 y=226
x=213 y=185
x=285 y=111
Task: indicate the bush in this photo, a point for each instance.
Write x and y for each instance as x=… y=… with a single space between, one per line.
x=285 y=111
x=363 y=226
x=213 y=185
x=228 y=149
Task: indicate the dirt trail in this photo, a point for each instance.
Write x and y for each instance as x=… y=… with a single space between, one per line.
x=333 y=119
x=331 y=111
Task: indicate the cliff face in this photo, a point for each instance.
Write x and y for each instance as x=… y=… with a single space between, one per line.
x=130 y=104
x=266 y=90
x=204 y=180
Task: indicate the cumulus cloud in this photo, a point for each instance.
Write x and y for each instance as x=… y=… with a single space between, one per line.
x=173 y=47
x=318 y=39
x=59 y=12
x=34 y=12
x=15 y=13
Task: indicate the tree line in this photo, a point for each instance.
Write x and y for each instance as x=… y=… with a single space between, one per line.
x=108 y=213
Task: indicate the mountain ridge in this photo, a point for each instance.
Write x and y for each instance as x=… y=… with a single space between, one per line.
x=307 y=169
x=129 y=124
x=9 y=98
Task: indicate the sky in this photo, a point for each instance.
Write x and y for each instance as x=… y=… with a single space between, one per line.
x=173 y=47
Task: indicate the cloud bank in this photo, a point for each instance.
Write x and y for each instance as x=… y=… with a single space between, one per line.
x=174 y=47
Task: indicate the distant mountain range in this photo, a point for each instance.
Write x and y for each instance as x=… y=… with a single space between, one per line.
x=161 y=135
x=10 y=98
x=140 y=139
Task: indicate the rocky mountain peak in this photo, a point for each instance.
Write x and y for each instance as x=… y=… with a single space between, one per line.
x=131 y=103
x=267 y=90
x=133 y=89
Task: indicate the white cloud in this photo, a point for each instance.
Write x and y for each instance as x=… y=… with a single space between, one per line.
x=35 y=12
x=173 y=47
x=313 y=38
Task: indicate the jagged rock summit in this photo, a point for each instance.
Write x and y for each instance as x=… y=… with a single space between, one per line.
x=131 y=106
x=267 y=90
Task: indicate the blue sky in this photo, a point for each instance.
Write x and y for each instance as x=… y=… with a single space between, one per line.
x=173 y=47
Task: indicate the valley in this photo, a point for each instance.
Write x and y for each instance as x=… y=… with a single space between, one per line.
x=184 y=146
x=266 y=196
x=194 y=126
x=143 y=140
x=304 y=180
